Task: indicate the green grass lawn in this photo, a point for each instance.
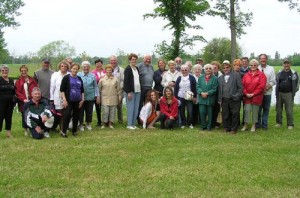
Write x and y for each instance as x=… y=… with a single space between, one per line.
x=152 y=163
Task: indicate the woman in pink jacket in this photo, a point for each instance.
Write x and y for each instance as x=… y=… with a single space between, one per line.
x=254 y=83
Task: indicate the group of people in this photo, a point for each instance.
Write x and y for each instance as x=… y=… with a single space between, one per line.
x=175 y=94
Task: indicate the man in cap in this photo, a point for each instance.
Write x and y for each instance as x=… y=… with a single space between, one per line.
x=287 y=84
x=200 y=61
x=43 y=77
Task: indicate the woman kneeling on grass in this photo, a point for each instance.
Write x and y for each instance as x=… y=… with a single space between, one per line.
x=169 y=109
x=150 y=111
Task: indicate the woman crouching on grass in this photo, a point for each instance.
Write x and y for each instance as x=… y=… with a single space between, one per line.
x=169 y=109
x=150 y=112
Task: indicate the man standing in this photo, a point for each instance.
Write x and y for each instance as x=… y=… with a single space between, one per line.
x=245 y=66
x=178 y=63
x=287 y=81
x=43 y=77
x=263 y=113
x=118 y=72
x=230 y=92
x=146 y=72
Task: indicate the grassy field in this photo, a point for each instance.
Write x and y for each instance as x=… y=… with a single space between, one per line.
x=152 y=163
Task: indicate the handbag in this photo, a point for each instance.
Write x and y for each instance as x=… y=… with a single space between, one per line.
x=189 y=95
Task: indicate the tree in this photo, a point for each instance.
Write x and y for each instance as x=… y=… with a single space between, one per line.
x=231 y=12
x=56 y=50
x=179 y=13
x=219 y=49
x=292 y=4
x=8 y=12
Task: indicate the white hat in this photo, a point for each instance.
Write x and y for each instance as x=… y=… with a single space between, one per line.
x=49 y=122
x=226 y=62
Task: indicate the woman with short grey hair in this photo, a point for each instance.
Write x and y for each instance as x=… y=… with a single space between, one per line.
x=7 y=99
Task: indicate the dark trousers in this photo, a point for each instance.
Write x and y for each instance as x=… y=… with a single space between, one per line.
x=98 y=113
x=87 y=109
x=166 y=123
x=231 y=114
x=34 y=133
x=188 y=105
x=287 y=100
x=215 y=112
x=206 y=116
x=196 y=115
x=6 y=112
x=58 y=118
x=73 y=111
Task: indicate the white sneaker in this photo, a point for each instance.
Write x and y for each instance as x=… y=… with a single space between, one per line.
x=111 y=126
x=81 y=128
x=182 y=127
x=135 y=127
x=191 y=126
x=89 y=127
x=278 y=125
x=290 y=127
x=103 y=127
x=46 y=134
x=130 y=127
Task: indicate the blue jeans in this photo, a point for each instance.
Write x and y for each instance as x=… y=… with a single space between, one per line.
x=132 y=108
x=263 y=112
x=189 y=107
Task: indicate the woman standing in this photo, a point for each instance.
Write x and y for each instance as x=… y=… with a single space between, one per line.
x=197 y=70
x=111 y=95
x=72 y=93
x=170 y=77
x=24 y=86
x=91 y=93
x=132 y=88
x=99 y=73
x=168 y=109
x=185 y=91
x=7 y=95
x=207 y=88
x=254 y=83
x=150 y=111
x=55 y=95
x=158 y=75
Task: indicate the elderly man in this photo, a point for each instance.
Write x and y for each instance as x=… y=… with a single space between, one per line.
x=178 y=63
x=263 y=113
x=118 y=72
x=245 y=65
x=37 y=115
x=230 y=92
x=287 y=81
x=146 y=72
x=43 y=77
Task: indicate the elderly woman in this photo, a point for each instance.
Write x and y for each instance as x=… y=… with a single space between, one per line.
x=216 y=108
x=197 y=70
x=132 y=88
x=99 y=73
x=150 y=111
x=91 y=93
x=237 y=64
x=207 y=88
x=111 y=95
x=254 y=83
x=170 y=77
x=7 y=99
x=158 y=75
x=23 y=88
x=55 y=95
x=185 y=91
x=168 y=109
x=72 y=93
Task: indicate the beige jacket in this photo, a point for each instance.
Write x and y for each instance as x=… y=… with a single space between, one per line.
x=110 y=92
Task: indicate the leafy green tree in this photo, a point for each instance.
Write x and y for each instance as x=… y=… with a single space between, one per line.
x=179 y=14
x=230 y=11
x=56 y=51
x=293 y=4
x=8 y=12
x=219 y=49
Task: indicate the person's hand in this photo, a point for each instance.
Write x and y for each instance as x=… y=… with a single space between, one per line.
x=81 y=103
x=194 y=100
x=129 y=96
x=172 y=118
x=38 y=129
x=65 y=103
x=26 y=100
x=44 y=118
x=98 y=100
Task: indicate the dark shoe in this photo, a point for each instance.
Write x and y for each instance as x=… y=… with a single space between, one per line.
x=232 y=132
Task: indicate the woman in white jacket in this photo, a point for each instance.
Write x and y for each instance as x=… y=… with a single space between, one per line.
x=55 y=95
x=170 y=77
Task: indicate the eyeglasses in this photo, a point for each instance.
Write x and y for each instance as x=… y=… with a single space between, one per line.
x=184 y=70
x=253 y=65
x=208 y=68
x=4 y=70
x=226 y=67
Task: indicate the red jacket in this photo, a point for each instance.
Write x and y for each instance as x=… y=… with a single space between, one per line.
x=169 y=111
x=20 y=91
x=254 y=84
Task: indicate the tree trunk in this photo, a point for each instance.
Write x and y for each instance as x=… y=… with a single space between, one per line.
x=233 y=29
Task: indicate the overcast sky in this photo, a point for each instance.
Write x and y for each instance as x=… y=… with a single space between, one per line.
x=101 y=27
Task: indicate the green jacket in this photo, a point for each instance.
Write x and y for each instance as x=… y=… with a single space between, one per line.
x=210 y=87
